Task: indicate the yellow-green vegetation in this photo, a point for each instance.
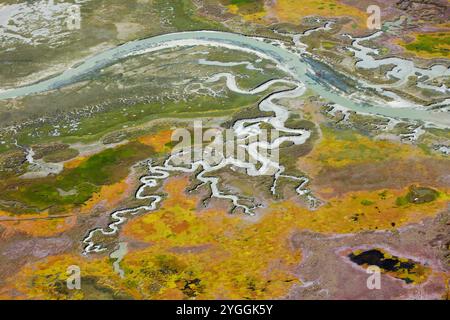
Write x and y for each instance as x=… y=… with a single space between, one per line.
x=429 y=45
x=407 y=270
x=249 y=10
x=74 y=186
x=211 y=255
x=96 y=126
x=49 y=280
x=361 y=211
x=328 y=45
x=418 y=195
x=61 y=155
x=293 y=11
x=204 y=255
x=37 y=225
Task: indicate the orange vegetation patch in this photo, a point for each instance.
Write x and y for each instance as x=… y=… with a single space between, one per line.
x=44 y=225
x=47 y=279
x=74 y=162
x=427 y=45
x=210 y=254
x=157 y=141
x=109 y=196
x=219 y=255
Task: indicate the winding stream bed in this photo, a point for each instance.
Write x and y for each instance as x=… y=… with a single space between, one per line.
x=246 y=131
x=285 y=59
x=303 y=78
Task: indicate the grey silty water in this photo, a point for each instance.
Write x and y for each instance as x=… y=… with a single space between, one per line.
x=288 y=61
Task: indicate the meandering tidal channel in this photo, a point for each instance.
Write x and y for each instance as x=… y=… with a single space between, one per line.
x=285 y=59
x=247 y=132
x=302 y=78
